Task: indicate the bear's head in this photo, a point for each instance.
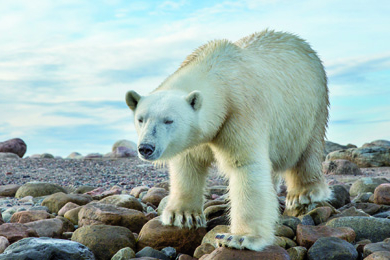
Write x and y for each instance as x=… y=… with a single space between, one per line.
x=166 y=122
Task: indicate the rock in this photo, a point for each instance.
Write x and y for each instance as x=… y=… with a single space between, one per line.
x=216 y=211
x=382 y=194
x=308 y=235
x=16 y=231
x=365 y=184
x=16 y=146
x=374 y=247
x=271 y=252
x=222 y=220
x=9 y=156
x=340 y=167
x=164 y=184
x=297 y=253
x=291 y=222
x=331 y=147
x=38 y=189
x=3 y=243
x=332 y=248
x=124 y=152
x=99 y=213
x=210 y=236
x=340 y=196
x=155 y=195
x=137 y=190
x=150 y=252
x=307 y=220
x=68 y=206
x=46 y=156
x=47 y=227
x=284 y=231
x=203 y=249
x=362 y=197
x=374 y=229
x=363 y=157
x=93 y=156
x=124 y=254
x=124 y=143
x=380 y=143
x=73 y=215
x=100 y=193
x=30 y=216
x=44 y=248
x=104 y=240
x=161 y=206
x=84 y=189
x=57 y=200
x=351 y=212
x=321 y=214
x=170 y=252
x=157 y=236
x=9 y=190
x=219 y=190
x=369 y=208
x=75 y=155
x=186 y=257
x=380 y=255
x=123 y=200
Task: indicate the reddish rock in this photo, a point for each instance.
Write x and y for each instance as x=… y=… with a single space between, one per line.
x=29 y=216
x=16 y=231
x=68 y=206
x=321 y=214
x=47 y=227
x=203 y=249
x=155 y=195
x=187 y=257
x=9 y=190
x=99 y=213
x=271 y=252
x=157 y=236
x=308 y=235
x=382 y=194
x=16 y=146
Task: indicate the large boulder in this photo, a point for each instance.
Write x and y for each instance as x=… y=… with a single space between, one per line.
x=38 y=189
x=99 y=213
x=45 y=248
x=15 y=146
x=104 y=240
x=57 y=200
x=157 y=236
x=364 y=157
x=380 y=143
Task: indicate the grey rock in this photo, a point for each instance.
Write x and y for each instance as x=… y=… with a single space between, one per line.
x=340 y=167
x=307 y=220
x=363 y=157
x=170 y=252
x=124 y=254
x=365 y=184
x=46 y=249
x=150 y=252
x=380 y=143
x=340 y=196
x=374 y=229
x=375 y=247
x=9 y=156
x=332 y=248
x=291 y=222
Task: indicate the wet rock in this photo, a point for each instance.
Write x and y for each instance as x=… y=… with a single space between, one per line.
x=9 y=190
x=29 y=216
x=57 y=200
x=340 y=167
x=99 y=213
x=374 y=247
x=308 y=235
x=374 y=229
x=150 y=252
x=157 y=236
x=123 y=200
x=203 y=249
x=16 y=231
x=16 y=146
x=38 y=189
x=271 y=252
x=382 y=194
x=297 y=253
x=332 y=248
x=124 y=254
x=366 y=184
x=340 y=196
x=46 y=249
x=155 y=195
x=104 y=240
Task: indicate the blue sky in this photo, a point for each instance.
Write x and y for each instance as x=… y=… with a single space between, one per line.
x=66 y=65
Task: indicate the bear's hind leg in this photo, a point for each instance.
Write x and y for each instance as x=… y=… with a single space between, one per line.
x=306 y=185
x=254 y=208
x=188 y=173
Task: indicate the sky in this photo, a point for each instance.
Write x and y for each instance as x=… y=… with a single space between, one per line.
x=65 y=65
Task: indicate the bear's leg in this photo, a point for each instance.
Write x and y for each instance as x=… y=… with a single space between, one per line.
x=254 y=208
x=306 y=185
x=187 y=182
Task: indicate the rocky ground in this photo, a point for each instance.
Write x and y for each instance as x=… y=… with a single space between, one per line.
x=108 y=209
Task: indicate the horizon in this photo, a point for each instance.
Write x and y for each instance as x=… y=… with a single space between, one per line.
x=65 y=66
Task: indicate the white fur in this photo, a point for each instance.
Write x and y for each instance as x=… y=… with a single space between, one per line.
x=262 y=110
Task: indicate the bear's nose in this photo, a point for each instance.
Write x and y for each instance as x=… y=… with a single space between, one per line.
x=145 y=150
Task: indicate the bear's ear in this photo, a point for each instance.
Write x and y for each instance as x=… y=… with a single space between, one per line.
x=132 y=99
x=194 y=99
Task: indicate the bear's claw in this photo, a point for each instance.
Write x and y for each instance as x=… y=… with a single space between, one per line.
x=183 y=219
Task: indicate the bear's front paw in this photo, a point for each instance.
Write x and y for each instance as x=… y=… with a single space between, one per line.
x=183 y=219
x=251 y=242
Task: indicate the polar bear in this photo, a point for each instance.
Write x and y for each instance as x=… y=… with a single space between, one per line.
x=258 y=108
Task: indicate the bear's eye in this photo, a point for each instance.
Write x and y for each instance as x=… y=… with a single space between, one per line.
x=168 y=122
x=140 y=120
